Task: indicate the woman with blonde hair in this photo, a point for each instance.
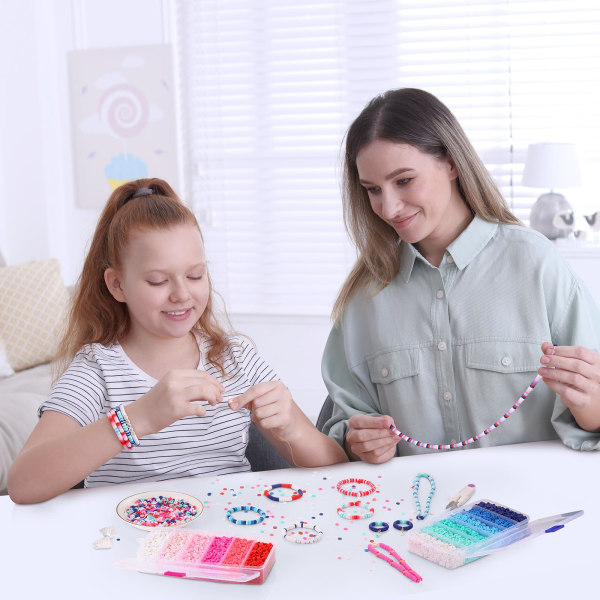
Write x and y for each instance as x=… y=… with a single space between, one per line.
x=440 y=324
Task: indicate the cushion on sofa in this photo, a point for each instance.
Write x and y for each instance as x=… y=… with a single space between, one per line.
x=33 y=307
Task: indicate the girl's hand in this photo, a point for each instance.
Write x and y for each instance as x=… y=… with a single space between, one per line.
x=272 y=408
x=370 y=439
x=178 y=394
x=573 y=372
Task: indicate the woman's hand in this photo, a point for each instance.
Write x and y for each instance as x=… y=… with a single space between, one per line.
x=272 y=408
x=573 y=372
x=370 y=439
x=180 y=393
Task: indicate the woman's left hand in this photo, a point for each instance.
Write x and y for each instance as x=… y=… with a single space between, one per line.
x=271 y=405
x=573 y=372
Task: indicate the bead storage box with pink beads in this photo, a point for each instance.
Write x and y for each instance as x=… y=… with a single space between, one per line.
x=455 y=539
x=201 y=555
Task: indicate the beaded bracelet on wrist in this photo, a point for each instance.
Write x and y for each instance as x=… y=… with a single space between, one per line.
x=368 y=511
x=355 y=494
x=298 y=493
x=302 y=533
x=262 y=515
x=122 y=427
x=118 y=429
x=131 y=432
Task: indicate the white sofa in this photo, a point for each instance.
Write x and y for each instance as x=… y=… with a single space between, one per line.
x=33 y=301
x=20 y=397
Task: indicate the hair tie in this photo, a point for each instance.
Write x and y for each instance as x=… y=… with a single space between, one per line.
x=142 y=192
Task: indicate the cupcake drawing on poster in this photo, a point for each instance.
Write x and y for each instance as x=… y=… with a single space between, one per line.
x=124 y=122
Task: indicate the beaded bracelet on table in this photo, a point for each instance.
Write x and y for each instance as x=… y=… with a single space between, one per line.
x=379 y=526
x=298 y=493
x=248 y=508
x=403 y=525
x=369 y=511
x=487 y=431
x=355 y=494
x=293 y=533
x=415 y=489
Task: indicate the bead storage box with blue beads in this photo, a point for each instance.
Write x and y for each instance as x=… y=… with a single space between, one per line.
x=454 y=539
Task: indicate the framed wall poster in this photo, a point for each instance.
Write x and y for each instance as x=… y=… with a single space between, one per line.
x=123 y=119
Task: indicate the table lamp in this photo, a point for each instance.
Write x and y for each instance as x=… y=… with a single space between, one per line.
x=550 y=165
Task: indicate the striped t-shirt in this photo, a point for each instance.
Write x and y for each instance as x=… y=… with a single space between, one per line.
x=101 y=377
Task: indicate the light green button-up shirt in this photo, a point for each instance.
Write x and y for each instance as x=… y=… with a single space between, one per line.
x=447 y=351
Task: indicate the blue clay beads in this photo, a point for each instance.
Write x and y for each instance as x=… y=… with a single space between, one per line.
x=502 y=510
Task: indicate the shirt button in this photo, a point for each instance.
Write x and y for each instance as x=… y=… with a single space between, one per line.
x=507 y=361
x=447 y=396
x=442 y=346
x=384 y=372
x=440 y=294
x=450 y=260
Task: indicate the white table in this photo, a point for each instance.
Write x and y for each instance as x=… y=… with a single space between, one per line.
x=48 y=547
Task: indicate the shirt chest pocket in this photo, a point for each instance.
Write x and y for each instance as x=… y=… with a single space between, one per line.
x=504 y=357
x=391 y=366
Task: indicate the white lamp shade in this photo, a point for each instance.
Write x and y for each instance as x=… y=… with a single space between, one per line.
x=551 y=165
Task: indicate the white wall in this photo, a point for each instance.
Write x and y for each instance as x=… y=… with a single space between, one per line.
x=37 y=204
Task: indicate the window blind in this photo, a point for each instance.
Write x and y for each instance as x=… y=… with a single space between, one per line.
x=269 y=88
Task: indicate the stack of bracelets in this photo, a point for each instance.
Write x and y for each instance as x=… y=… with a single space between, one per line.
x=120 y=423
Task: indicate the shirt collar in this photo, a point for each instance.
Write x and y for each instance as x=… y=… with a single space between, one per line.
x=463 y=249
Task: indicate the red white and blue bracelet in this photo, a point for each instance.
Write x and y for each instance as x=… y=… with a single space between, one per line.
x=298 y=493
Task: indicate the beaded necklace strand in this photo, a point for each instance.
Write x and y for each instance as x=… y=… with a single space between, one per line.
x=485 y=432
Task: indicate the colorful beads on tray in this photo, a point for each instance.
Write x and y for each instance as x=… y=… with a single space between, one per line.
x=298 y=493
x=160 y=511
x=359 y=511
x=354 y=493
x=302 y=533
x=262 y=515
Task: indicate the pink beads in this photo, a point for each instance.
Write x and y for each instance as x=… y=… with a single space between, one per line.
x=217 y=549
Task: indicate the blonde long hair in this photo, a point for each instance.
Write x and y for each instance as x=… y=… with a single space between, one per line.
x=95 y=316
x=417 y=118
